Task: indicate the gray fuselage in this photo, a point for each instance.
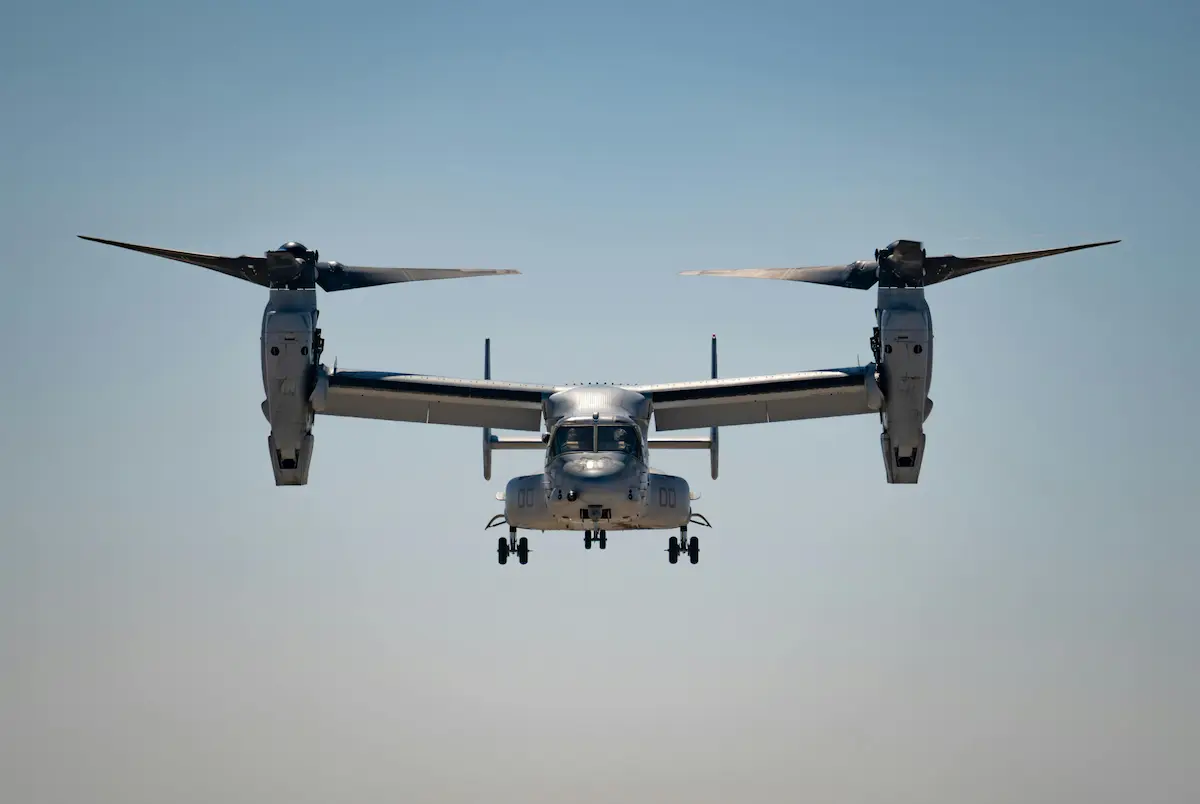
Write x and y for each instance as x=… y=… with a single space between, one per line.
x=596 y=474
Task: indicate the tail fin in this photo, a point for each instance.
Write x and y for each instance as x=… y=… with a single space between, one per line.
x=487 y=431
x=712 y=450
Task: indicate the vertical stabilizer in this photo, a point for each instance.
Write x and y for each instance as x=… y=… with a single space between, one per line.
x=487 y=431
x=712 y=450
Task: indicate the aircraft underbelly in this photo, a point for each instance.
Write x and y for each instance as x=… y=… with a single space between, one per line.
x=666 y=505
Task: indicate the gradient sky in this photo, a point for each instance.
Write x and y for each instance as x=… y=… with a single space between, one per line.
x=1020 y=627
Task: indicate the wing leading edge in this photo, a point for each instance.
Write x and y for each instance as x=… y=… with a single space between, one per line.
x=430 y=400
x=760 y=400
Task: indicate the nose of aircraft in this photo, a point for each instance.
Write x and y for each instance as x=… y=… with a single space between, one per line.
x=604 y=481
x=593 y=467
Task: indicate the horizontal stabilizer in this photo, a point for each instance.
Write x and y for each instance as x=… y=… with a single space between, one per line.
x=667 y=442
x=516 y=442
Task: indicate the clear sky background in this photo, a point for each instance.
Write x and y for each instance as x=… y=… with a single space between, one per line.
x=1020 y=627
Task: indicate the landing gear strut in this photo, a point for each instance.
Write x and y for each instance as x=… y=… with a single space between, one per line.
x=685 y=544
x=600 y=536
x=512 y=545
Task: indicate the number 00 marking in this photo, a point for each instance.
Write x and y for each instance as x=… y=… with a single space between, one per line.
x=666 y=497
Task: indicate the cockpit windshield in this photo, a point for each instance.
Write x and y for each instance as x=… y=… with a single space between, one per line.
x=612 y=438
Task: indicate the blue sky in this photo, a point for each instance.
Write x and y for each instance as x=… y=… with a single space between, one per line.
x=1021 y=623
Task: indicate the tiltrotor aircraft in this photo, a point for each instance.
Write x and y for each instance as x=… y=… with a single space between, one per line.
x=597 y=444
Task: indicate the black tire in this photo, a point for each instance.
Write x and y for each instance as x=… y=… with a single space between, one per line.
x=603 y=539
x=587 y=540
x=523 y=550
x=502 y=550
x=693 y=550
x=673 y=550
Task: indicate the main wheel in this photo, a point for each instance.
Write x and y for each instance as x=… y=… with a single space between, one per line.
x=673 y=550
x=693 y=550
x=523 y=550
x=587 y=539
x=603 y=539
x=502 y=550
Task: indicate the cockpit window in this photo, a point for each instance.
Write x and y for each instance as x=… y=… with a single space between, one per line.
x=573 y=439
x=613 y=438
x=618 y=439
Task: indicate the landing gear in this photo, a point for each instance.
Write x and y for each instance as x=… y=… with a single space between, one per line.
x=600 y=536
x=512 y=545
x=683 y=544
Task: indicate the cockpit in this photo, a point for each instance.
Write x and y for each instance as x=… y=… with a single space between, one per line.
x=585 y=437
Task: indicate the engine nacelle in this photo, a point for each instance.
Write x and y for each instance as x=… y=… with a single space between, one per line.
x=291 y=347
x=905 y=359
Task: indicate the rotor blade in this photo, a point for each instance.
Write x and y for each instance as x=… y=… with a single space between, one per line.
x=856 y=275
x=251 y=269
x=334 y=276
x=939 y=269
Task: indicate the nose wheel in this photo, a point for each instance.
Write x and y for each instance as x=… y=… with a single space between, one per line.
x=599 y=536
x=506 y=547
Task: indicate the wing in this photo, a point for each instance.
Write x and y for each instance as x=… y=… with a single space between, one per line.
x=759 y=400
x=335 y=276
x=251 y=269
x=939 y=269
x=856 y=275
x=431 y=400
